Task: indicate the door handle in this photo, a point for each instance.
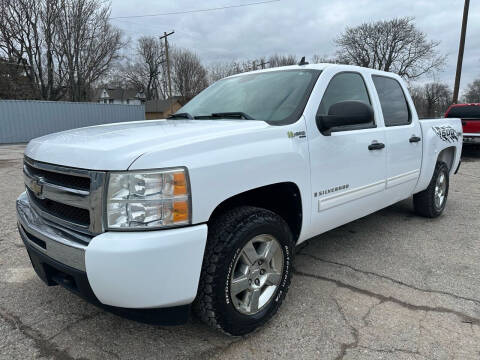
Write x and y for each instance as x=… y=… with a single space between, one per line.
x=376 y=146
x=414 y=139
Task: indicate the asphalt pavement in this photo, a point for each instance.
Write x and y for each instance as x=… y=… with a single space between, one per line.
x=391 y=285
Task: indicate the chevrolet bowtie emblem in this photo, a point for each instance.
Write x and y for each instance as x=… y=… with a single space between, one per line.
x=37 y=187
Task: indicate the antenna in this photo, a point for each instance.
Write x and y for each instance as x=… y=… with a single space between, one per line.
x=303 y=62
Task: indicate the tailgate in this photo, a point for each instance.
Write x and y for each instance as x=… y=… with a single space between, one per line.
x=471 y=126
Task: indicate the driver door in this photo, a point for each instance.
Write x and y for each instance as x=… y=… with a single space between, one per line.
x=347 y=174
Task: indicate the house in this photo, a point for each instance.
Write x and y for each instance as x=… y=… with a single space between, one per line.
x=160 y=109
x=119 y=96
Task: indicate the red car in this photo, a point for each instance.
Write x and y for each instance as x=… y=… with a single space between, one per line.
x=470 y=115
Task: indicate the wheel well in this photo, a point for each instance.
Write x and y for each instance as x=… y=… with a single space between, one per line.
x=447 y=156
x=283 y=199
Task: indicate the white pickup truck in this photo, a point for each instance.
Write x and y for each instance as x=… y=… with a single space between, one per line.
x=204 y=209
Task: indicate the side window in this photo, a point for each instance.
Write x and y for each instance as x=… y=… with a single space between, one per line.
x=394 y=105
x=343 y=87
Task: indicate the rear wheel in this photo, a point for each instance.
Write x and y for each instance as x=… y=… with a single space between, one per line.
x=246 y=270
x=431 y=202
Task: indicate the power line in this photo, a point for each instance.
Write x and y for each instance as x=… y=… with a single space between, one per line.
x=194 y=11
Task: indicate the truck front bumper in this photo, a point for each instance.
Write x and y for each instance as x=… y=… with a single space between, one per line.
x=133 y=270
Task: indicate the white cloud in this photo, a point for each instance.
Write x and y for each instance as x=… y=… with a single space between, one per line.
x=302 y=27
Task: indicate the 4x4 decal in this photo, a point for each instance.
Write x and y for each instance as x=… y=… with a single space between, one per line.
x=446 y=133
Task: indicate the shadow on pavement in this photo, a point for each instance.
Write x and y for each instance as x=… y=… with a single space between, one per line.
x=470 y=152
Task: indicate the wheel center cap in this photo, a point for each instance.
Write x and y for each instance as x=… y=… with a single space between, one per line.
x=254 y=274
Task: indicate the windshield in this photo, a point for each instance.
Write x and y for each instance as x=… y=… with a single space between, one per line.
x=277 y=97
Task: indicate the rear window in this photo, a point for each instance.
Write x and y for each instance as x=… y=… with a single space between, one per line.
x=392 y=99
x=465 y=112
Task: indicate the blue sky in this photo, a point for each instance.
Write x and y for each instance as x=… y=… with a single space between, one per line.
x=302 y=27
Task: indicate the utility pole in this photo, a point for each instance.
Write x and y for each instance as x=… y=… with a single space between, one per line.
x=165 y=36
x=461 y=48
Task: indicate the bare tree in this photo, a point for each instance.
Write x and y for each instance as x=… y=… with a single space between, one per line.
x=318 y=59
x=431 y=99
x=189 y=77
x=146 y=72
x=14 y=83
x=222 y=70
x=117 y=78
x=416 y=92
x=26 y=38
x=88 y=43
x=391 y=45
x=277 y=60
x=63 y=46
x=438 y=97
x=472 y=94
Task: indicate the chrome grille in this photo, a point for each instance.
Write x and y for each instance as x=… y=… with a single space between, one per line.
x=69 y=197
x=74 y=182
x=66 y=212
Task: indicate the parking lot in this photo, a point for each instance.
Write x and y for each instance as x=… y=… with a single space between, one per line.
x=388 y=286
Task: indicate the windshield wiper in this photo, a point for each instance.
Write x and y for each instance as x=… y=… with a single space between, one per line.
x=181 y=116
x=233 y=114
x=226 y=115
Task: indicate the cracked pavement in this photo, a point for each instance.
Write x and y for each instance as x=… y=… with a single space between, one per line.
x=388 y=286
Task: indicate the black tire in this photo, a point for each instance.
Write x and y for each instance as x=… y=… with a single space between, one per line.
x=424 y=202
x=227 y=235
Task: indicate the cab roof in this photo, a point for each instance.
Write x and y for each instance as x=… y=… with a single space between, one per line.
x=324 y=66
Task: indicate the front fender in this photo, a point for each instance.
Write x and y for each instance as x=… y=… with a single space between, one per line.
x=229 y=165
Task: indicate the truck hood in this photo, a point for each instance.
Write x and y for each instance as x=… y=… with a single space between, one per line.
x=117 y=146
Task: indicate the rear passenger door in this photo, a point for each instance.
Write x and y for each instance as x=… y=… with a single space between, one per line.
x=403 y=138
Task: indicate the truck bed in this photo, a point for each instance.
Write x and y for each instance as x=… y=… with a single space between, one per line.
x=439 y=136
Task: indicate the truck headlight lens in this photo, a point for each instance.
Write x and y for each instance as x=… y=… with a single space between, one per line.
x=148 y=200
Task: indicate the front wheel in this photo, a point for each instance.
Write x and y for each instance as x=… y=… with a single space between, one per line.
x=246 y=270
x=431 y=202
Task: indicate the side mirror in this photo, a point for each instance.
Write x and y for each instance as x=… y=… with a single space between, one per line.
x=345 y=113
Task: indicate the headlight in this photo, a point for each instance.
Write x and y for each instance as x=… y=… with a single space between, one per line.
x=148 y=200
